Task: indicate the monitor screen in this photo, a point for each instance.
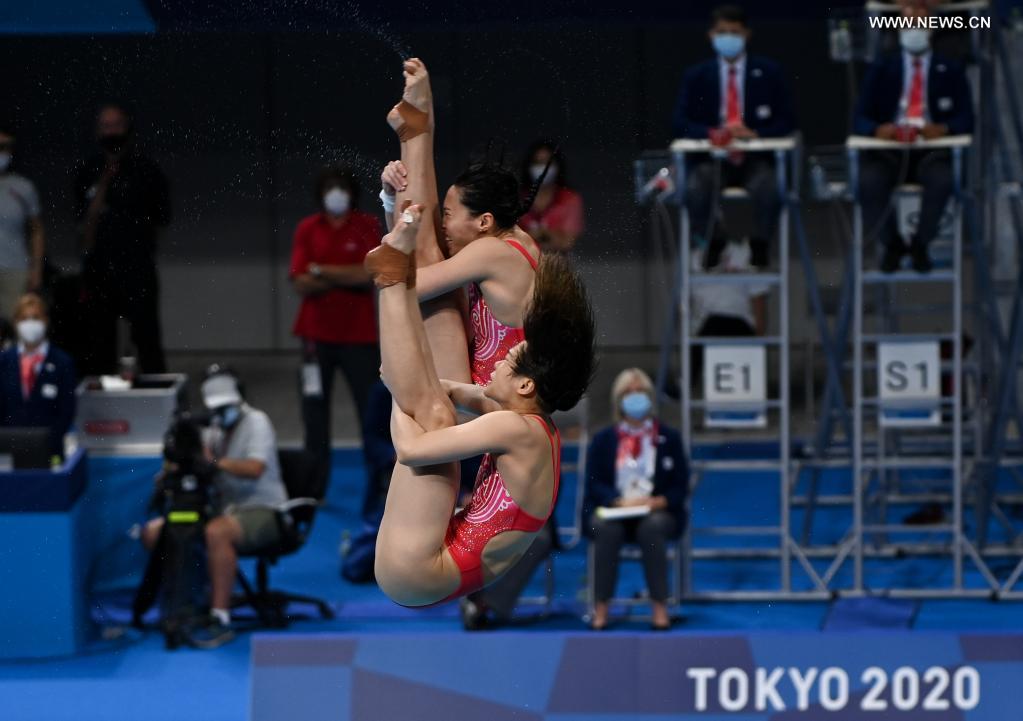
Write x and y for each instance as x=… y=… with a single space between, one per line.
x=24 y=447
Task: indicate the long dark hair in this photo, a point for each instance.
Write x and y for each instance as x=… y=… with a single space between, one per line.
x=559 y=355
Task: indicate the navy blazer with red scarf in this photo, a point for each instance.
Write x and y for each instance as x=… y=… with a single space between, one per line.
x=671 y=473
x=51 y=402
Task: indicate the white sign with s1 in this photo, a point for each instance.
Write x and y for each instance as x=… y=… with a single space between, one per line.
x=909 y=383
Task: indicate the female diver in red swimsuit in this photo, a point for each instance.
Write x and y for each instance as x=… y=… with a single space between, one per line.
x=424 y=554
x=488 y=253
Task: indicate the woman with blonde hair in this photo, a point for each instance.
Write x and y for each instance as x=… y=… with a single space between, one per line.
x=637 y=462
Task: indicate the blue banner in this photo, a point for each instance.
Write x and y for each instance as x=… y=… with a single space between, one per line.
x=915 y=676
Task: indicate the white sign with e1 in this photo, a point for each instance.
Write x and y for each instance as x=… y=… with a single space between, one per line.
x=735 y=386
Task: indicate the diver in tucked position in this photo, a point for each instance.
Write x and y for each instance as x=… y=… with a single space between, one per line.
x=426 y=555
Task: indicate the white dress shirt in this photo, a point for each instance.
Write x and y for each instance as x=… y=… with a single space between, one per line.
x=740 y=83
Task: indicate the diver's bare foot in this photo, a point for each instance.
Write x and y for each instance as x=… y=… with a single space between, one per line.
x=403 y=236
x=394 y=260
x=413 y=115
x=417 y=86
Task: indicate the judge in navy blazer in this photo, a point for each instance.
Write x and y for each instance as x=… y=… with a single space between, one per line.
x=636 y=463
x=948 y=95
x=51 y=398
x=767 y=100
x=750 y=97
x=885 y=106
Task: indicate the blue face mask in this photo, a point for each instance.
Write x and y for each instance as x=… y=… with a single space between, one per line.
x=729 y=45
x=636 y=405
x=229 y=416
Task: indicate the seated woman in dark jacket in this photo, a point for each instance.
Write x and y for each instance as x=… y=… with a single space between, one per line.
x=637 y=462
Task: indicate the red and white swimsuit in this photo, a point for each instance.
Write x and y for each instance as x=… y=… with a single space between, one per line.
x=491 y=339
x=491 y=512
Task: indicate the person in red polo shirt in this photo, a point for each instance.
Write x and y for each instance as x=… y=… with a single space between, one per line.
x=337 y=318
x=555 y=219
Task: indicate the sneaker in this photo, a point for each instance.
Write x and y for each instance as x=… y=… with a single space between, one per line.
x=759 y=256
x=892 y=258
x=715 y=247
x=920 y=257
x=212 y=634
x=474 y=617
x=927 y=515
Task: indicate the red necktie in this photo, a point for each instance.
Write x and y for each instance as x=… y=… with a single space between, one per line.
x=732 y=116
x=29 y=362
x=915 y=107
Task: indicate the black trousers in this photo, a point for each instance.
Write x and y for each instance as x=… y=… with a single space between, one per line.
x=360 y=364
x=501 y=596
x=131 y=292
x=756 y=173
x=651 y=533
x=881 y=171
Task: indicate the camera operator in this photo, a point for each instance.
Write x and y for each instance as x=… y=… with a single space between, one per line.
x=241 y=445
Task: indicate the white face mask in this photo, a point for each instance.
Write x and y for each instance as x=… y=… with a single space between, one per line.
x=536 y=169
x=914 y=40
x=31 y=331
x=337 y=201
x=5 y=161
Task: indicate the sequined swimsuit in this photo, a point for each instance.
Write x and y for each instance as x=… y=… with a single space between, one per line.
x=491 y=512
x=491 y=339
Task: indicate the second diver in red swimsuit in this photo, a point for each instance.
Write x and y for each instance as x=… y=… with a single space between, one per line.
x=424 y=554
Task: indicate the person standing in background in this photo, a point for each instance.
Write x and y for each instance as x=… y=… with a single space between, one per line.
x=555 y=220
x=22 y=239
x=337 y=319
x=122 y=199
x=359 y=550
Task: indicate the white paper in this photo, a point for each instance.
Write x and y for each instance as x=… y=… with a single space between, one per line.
x=617 y=514
x=312 y=383
x=114 y=383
